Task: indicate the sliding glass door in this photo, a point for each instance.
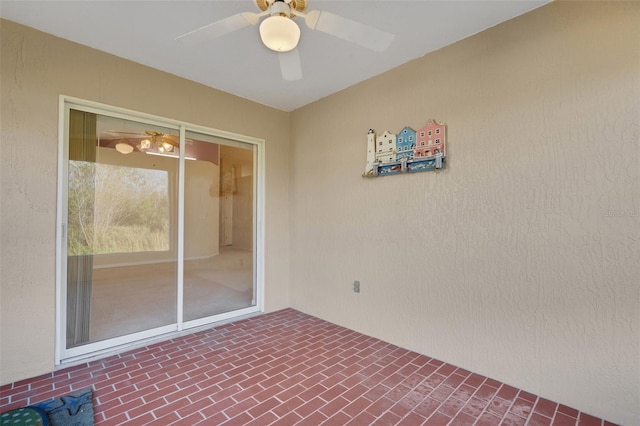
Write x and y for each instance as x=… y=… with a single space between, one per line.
x=219 y=222
x=158 y=231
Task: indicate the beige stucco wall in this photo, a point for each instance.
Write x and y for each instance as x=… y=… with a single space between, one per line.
x=35 y=69
x=519 y=260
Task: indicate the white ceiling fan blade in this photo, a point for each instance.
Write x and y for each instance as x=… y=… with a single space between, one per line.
x=290 y=65
x=219 y=28
x=347 y=29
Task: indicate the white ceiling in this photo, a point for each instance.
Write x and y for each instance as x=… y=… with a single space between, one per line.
x=145 y=31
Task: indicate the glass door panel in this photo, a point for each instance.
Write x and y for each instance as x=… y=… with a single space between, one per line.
x=150 y=244
x=121 y=228
x=219 y=223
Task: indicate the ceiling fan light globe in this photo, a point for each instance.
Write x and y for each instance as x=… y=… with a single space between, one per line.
x=279 y=33
x=124 y=148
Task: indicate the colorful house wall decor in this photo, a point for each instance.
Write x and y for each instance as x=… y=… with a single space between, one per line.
x=405 y=143
x=407 y=152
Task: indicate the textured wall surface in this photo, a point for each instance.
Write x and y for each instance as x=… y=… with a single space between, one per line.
x=36 y=69
x=519 y=260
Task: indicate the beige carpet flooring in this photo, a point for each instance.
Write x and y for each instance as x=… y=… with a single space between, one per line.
x=135 y=298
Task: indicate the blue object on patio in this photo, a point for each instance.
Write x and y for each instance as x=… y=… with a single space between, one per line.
x=74 y=409
x=26 y=416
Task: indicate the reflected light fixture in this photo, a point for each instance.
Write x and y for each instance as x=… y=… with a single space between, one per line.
x=124 y=148
x=157 y=140
x=145 y=144
x=279 y=33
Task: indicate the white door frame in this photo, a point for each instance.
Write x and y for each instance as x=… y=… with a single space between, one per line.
x=64 y=355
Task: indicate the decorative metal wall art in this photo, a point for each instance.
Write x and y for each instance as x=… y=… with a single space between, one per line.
x=408 y=151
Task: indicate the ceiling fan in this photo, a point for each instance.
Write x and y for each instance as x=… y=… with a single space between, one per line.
x=161 y=142
x=280 y=33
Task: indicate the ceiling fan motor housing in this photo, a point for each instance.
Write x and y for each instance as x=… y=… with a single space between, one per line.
x=280 y=8
x=294 y=5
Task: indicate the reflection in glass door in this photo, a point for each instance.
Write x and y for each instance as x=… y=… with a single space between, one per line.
x=218 y=226
x=121 y=228
x=159 y=228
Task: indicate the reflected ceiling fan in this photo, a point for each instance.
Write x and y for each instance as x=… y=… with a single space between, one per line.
x=280 y=33
x=161 y=142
